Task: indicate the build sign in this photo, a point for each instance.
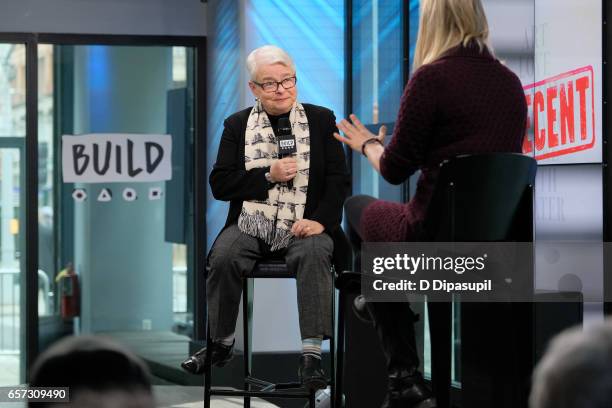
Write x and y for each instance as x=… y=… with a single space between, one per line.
x=115 y=158
x=112 y=158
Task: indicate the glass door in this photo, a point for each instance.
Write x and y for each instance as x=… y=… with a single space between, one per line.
x=116 y=142
x=12 y=211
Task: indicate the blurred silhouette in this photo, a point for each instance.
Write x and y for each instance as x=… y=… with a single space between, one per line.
x=576 y=371
x=99 y=373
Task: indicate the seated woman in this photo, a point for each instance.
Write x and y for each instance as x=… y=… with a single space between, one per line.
x=459 y=100
x=289 y=207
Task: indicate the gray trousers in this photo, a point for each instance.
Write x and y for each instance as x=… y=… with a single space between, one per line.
x=234 y=255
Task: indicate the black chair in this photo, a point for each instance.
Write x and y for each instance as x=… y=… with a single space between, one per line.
x=477 y=198
x=255 y=387
x=481 y=198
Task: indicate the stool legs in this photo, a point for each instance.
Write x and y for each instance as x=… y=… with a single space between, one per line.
x=312 y=401
x=207 y=368
x=268 y=389
x=339 y=373
x=332 y=352
x=247 y=312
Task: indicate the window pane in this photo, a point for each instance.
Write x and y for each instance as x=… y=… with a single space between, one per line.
x=377 y=81
x=12 y=90
x=377 y=60
x=12 y=188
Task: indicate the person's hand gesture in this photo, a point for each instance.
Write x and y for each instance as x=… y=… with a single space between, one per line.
x=355 y=134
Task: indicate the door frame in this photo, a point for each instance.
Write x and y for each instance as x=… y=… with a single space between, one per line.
x=31 y=42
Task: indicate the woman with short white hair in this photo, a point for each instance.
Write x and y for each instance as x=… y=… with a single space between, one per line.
x=288 y=207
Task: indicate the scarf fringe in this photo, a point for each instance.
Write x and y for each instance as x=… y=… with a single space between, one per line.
x=281 y=240
x=257 y=225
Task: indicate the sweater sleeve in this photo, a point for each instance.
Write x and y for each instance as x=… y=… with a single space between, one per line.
x=413 y=128
x=229 y=180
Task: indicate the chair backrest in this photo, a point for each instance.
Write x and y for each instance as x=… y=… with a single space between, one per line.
x=482 y=198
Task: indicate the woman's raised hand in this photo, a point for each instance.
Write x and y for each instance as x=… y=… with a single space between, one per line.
x=355 y=133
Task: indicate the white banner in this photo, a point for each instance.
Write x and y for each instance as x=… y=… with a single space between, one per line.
x=565 y=102
x=111 y=158
x=561 y=116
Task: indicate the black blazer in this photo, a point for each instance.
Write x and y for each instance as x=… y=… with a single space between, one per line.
x=328 y=183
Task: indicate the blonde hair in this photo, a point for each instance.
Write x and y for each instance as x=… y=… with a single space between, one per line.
x=444 y=24
x=267 y=55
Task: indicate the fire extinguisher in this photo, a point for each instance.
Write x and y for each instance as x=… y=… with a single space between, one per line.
x=68 y=283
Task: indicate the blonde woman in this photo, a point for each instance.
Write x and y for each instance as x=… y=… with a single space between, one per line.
x=459 y=100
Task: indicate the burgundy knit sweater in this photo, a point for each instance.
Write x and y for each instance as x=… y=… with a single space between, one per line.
x=464 y=102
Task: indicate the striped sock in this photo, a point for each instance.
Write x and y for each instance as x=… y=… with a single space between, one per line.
x=226 y=341
x=312 y=347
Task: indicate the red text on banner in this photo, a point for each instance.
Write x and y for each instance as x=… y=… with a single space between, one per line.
x=561 y=114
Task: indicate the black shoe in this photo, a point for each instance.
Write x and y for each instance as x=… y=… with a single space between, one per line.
x=220 y=356
x=360 y=309
x=311 y=374
x=408 y=391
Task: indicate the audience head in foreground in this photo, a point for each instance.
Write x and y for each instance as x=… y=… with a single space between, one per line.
x=99 y=373
x=576 y=371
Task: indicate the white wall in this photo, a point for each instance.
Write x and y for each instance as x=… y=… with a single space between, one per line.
x=128 y=17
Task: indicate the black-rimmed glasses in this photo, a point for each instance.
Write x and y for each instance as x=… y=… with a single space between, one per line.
x=272 y=86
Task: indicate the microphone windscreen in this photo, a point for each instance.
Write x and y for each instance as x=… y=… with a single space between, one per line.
x=284 y=126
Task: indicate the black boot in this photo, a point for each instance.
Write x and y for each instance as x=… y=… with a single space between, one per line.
x=394 y=323
x=360 y=309
x=311 y=374
x=408 y=390
x=220 y=356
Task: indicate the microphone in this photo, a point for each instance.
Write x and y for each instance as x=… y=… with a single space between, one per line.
x=286 y=141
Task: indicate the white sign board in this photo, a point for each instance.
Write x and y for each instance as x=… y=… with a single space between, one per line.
x=112 y=158
x=565 y=108
x=562 y=118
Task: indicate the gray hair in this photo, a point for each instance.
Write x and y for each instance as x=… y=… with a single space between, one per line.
x=267 y=55
x=96 y=369
x=576 y=371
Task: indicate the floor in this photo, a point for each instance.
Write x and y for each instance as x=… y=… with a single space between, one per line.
x=162 y=350
x=9 y=369
x=176 y=396
x=189 y=396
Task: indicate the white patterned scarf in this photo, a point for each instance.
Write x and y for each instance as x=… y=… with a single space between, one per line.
x=271 y=220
